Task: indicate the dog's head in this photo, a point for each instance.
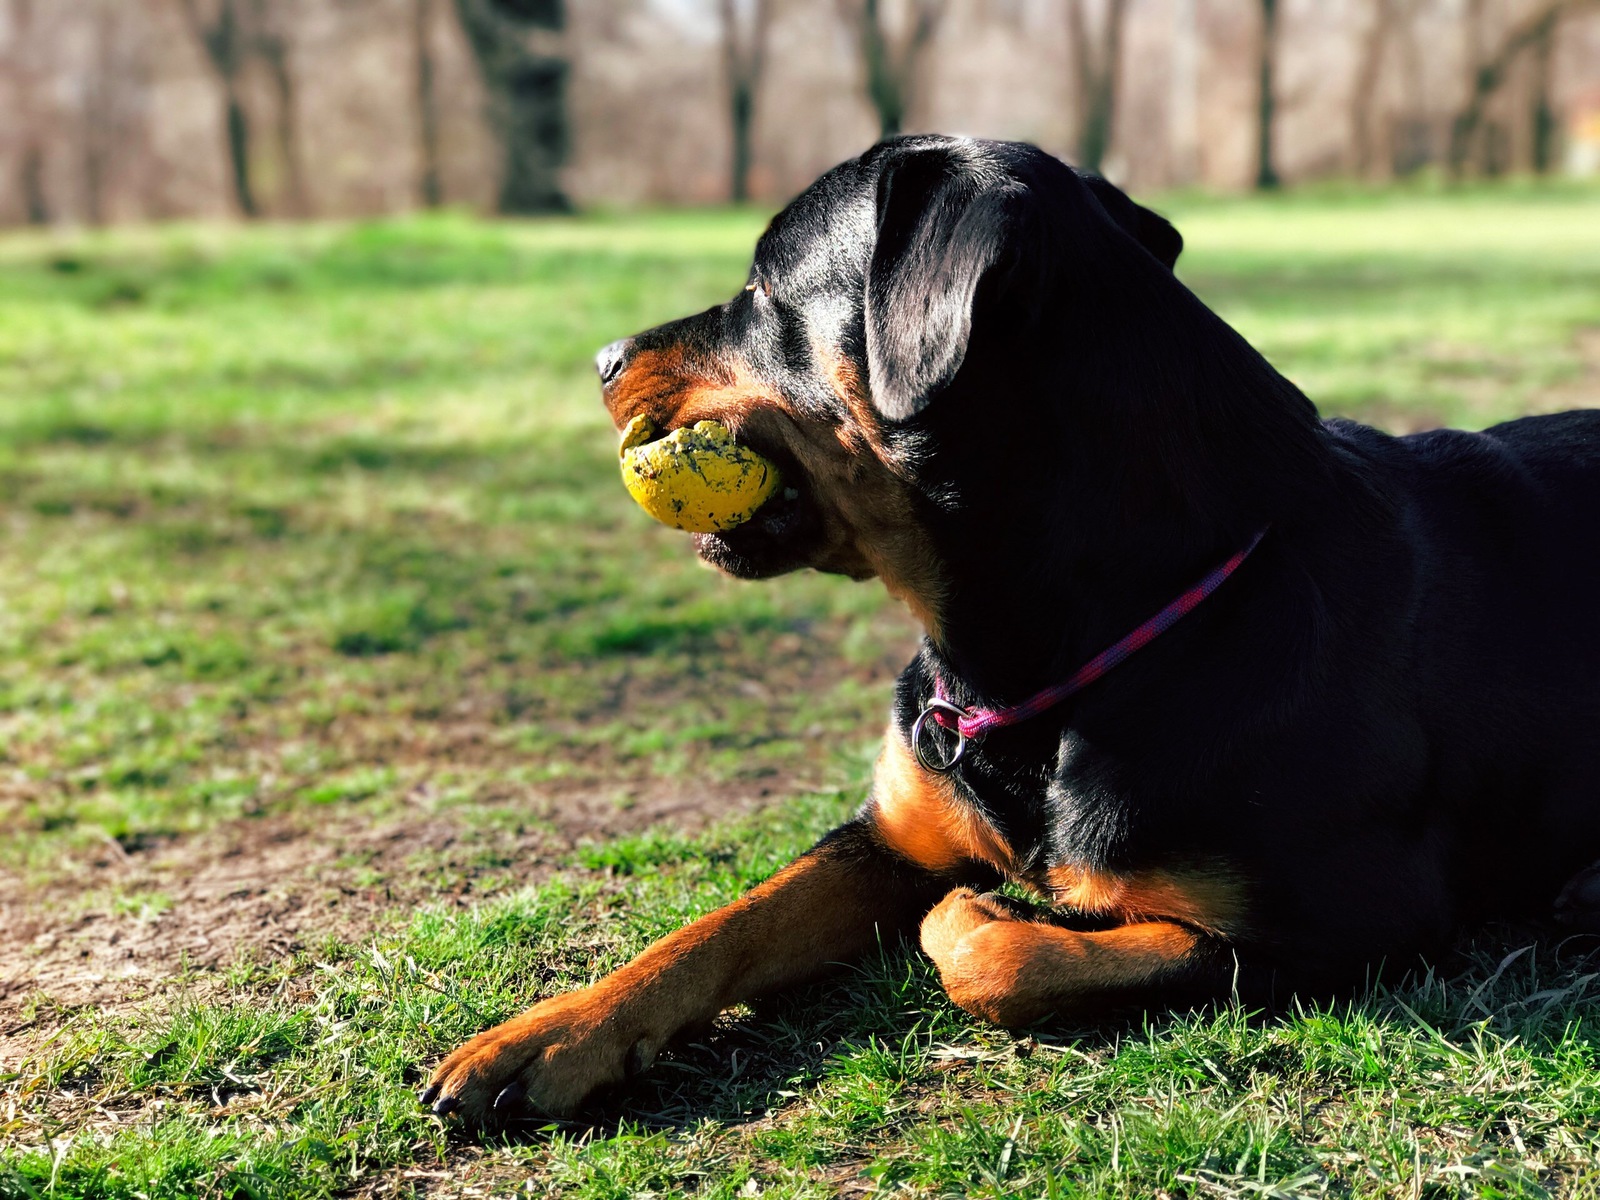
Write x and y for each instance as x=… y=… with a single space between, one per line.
x=922 y=318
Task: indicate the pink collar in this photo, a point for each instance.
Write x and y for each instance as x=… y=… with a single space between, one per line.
x=970 y=723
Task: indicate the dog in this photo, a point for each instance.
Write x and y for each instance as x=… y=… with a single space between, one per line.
x=1247 y=698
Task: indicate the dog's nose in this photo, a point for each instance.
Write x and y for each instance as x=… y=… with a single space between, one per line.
x=609 y=362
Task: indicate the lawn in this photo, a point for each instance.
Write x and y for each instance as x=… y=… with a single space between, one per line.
x=347 y=705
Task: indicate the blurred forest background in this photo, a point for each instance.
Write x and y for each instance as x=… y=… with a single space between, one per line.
x=128 y=110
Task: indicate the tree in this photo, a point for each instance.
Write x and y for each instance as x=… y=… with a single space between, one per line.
x=222 y=36
x=23 y=68
x=1541 y=114
x=892 y=63
x=1267 y=178
x=235 y=34
x=1387 y=15
x=1489 y=70
x=744 y=54
x=113 y=100
x=430 y=186
x=1097 y=65
x=518 y=48
x=268 y=40
x=1183 y=91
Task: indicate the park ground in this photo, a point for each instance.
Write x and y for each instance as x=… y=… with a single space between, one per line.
x=347 y=706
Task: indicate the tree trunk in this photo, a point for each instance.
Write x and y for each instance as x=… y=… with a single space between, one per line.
x=430 y=187
x=892 y=72
x=744 y=57
x=98 y=117
x=238 y=126
x=1542 y=116
x=30 y=169
x=32 y=181
x=274 y=50
x=1267 y=100
x=515 y=44
x=223 y=42
x=883 y=88
x=742 y=114
x=1183 y=147
x=1098 y=72
x=1364 y=95
x=1488 y=73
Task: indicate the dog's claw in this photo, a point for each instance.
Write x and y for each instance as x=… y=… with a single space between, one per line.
x=510 y=1096
x=446 y=1106
x=428 y=1095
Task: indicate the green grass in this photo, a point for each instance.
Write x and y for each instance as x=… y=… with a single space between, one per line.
x=322 y=524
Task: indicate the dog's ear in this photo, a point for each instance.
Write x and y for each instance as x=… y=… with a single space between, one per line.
x=1151 y=230
x=941 y=226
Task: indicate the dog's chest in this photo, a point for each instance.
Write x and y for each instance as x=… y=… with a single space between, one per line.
x=940 y=822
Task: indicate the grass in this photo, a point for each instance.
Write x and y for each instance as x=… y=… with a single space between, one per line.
x=316 y=531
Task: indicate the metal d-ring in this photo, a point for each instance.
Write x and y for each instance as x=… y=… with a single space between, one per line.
x=931 y=761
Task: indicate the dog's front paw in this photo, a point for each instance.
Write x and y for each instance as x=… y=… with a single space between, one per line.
x=549 y=1058
x=984 y=946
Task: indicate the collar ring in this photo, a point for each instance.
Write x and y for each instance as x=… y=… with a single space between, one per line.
x=926 y=746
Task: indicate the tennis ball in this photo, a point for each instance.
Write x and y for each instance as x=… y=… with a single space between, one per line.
x=696 y=478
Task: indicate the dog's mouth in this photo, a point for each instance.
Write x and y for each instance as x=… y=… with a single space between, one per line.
x=779 y=537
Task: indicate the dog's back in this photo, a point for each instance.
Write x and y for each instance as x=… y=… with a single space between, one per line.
x=1507 y=642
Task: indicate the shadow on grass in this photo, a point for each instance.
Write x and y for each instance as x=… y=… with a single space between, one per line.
x=1526 y=986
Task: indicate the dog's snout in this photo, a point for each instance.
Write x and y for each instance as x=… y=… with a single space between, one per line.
x=611 y=359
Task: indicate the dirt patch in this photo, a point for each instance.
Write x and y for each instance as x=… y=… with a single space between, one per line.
x=271 y=886
x=456 y=818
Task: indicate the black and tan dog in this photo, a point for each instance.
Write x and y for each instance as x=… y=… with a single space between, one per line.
x=988 y=389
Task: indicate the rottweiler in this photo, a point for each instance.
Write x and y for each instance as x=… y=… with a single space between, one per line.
x=1246 y=698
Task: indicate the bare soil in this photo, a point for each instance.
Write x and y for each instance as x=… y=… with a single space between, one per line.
x=271 y=886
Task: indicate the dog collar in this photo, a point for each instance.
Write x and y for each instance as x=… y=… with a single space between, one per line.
x=970 y=723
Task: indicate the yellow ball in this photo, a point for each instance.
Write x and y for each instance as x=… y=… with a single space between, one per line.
x=696 y=478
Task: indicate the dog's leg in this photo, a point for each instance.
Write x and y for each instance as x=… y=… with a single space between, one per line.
x=829 y=906
x=1578 y=905
x=1007 y=968
x=995 y=959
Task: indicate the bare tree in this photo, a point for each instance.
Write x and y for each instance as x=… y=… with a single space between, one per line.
x=221 y=34
x=892 y=62
x=1183 y=94
x=430 y=186
x=268 y=40
x=1097 y=64
x=111 y=119
x=520 y=54
x=1541 y=114
x=1489 y=69
x=23 y=69
x=1267 y=177
x=1388 y=17
x=744 y=59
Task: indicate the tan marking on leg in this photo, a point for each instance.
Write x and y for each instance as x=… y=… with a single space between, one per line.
x=1013 y=971
x=1212 y=900
x=922 y=818
x=828 y=907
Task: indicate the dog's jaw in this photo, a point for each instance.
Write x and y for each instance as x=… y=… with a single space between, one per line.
x=780 y=537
